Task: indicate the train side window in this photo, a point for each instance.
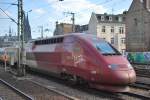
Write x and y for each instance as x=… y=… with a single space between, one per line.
x=35 y=42
x=48 y=41
x=54 y=40
x=39 y=42
x=57 y=40
x=45 y=41
x=61 y=39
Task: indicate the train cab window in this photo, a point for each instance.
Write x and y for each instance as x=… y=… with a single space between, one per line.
x=106 y=49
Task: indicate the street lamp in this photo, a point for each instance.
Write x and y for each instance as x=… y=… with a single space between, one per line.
x=29 y=11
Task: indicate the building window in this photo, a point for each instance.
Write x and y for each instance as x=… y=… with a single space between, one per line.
x=107 y=18
x=103 y=29
x=110 y=18
x=121 y=30
x=102 y=18
x=120 y=19
x=104 y=38
x=112 y=41
x=123 y=40
x=112 y=29
x=135 y=21
x=116 y=18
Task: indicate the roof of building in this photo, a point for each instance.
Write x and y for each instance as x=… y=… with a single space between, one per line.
x=109 y=18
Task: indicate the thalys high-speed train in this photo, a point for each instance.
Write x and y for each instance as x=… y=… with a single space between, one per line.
x=82 y=58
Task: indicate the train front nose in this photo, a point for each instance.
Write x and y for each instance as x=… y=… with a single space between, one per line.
x=121 y=76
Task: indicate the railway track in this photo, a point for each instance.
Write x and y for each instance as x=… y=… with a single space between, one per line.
x=136 y=95
x=81 y=92
x=142 y=70
x=17 y=93
x=34 y=90
x=139 y=90
x=142 y=85
x=62 y=89
x=54 y=90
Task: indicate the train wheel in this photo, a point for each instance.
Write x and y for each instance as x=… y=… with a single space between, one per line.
x=64 y=76
x=73 y=79
x=81 y=81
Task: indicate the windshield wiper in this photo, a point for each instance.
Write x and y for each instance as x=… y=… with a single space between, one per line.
x=111 y=54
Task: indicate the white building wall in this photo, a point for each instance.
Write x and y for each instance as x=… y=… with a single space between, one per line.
x=107 y=35
x=92 y=24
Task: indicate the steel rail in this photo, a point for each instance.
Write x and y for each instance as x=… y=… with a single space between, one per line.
x=56 y=91
x=1 y=98
x=141 y=85
x=27 y=97
x=143 y=75
x=142 y=97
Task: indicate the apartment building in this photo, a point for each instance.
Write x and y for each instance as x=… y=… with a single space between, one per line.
x=109 y=27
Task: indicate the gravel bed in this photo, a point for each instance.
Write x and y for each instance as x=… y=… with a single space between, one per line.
x=75 y=91
x=35 y=91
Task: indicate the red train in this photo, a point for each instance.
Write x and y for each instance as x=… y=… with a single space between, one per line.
x=82 y=58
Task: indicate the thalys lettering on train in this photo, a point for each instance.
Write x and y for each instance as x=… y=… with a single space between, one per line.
x=81 y=58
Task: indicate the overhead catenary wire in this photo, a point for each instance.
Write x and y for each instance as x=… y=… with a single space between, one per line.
x=11 y=4
x=8 y=16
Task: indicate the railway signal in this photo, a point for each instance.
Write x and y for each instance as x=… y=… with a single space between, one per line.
x=5 y=58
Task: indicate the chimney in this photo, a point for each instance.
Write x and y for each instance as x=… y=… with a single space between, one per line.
x=56 y=24
x=147 y=4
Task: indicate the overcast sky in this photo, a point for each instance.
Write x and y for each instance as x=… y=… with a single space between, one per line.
x=46 y=12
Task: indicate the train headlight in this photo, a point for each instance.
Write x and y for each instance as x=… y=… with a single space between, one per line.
x=129 y=66
x=113 y=66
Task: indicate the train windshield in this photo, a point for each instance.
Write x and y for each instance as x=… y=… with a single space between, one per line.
x=106 y=49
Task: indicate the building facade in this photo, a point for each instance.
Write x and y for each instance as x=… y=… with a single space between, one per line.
x=109 y=27
x=138 y=26
x=66 y=28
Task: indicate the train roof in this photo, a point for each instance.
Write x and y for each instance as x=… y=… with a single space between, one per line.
x=81 y=35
